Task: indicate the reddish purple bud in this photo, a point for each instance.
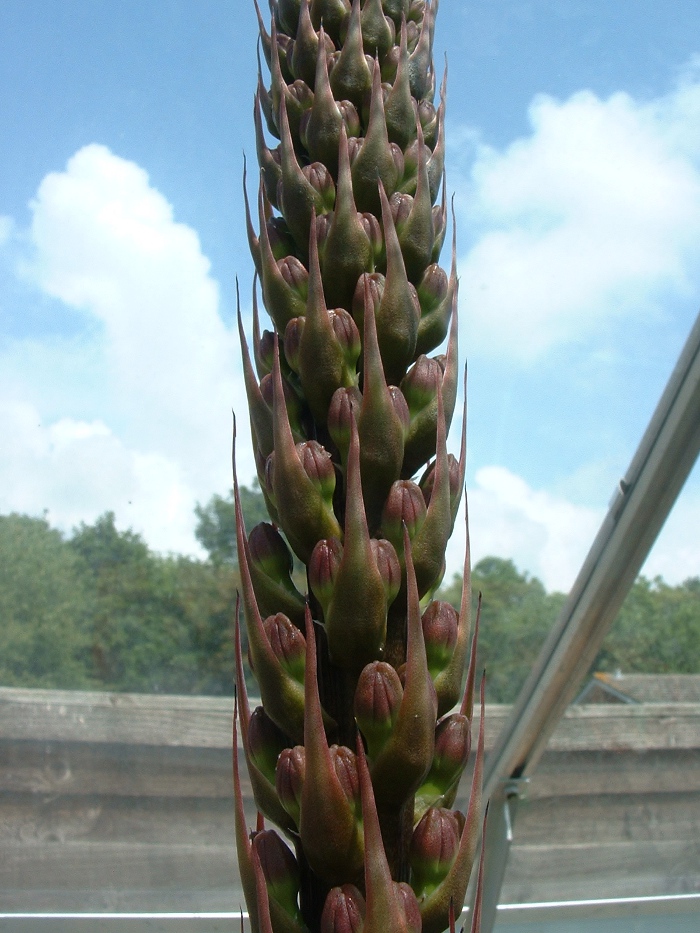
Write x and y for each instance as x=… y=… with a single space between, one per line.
x=388 y=566
x=323 y=225
x=344 y=910
x=279 y=868
x=292 y=339
x=410 y=907
x=281 y=240
x=351 y=118
x=434 y=848
x=428 y=479
x=345 y=764
x=427 y=114
x=321 y=180
x=400 y=205
x=376 y=282
x=345 y=405
x=266 y=741
x=440 y=628
x=289 y=779
x=288 y=644
x=269 y=552
x=453 y=740
x=419 y=385
x=377 y=700
x=400 y=406
x=323 y=569
x=295 y=275
x=318 y=466
x=374 y=233
x=432 y=288
x=404 y=504
x=347 y=335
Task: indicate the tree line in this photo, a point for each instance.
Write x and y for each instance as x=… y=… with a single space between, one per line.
x=97 y=609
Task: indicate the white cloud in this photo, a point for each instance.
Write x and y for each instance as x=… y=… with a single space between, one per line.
x=142 y=425
x=592 y=216
x=542 y=533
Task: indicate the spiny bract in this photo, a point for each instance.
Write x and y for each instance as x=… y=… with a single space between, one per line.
x=355 y=754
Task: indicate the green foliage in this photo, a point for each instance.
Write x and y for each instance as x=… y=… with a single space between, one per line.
x=657 y=630
x=516 y=615
x=101 y=610
x=216 y=522
x=46 y=606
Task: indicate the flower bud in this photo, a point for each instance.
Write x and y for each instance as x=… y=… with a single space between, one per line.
x=432 y=289
x=318 y=466
x=408 y=903
x=452 y=746
x=374 y=233
x=440 y=627
x=322 y=181
x=289 y=779
x=375 y=281
x=433 y=849
x=291 y=400
x=323 y=569
x=295 y=275
x=344 y=910
x=265 y=741
x=427 y=114
x=345 y=404
x=419 y=385
x=400 y=406
x=388 y=565
x=279 y=868
x=281 y=240
x=428 y=479
x=351 y=118
x=264 y=352
x=292 y=339
x=345 y=765
x=347 y=335
x=269 y=553
x=377 y=700
x=404 y=504
x=288 y=644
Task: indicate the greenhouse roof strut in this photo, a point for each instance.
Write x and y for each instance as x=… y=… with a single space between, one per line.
x=641 y=503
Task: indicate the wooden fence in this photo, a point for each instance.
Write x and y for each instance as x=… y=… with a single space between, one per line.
x=124 y=802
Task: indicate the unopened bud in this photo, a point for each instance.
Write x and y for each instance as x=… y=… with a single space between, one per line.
x=279 y=868
x=295 y=275
x=440 y=627
x=321 y=180
x=266 y=741
x=413 y=922
x=432 y=288
x=452 y=746
x=433 y=849
x=292 y=339
x=323 y=569
x=373 y=229
x=344 y=910
x=427 y=481
x=345 y=404
x=388 y=565
x=376 y=282
x=400 y=406
x=377 y=700
x=281 y=240
x=345 y=765
x=289 y=779
x=351 y=118
x=404 y=504
x=419 y=385
x=269 y=553
x=288 y=644
x=347 y=335
x=318 y=466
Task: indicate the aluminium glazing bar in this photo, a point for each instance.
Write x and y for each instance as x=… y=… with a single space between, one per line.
x=639 y=508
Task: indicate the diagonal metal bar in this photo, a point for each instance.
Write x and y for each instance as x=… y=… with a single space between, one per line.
x=637 y=512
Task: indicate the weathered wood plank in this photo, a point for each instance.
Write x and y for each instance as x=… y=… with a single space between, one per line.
x=205 y=722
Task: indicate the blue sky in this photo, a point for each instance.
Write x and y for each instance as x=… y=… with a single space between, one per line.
x=574 y=154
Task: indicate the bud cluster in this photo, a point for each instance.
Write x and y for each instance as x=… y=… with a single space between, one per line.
x=355 y=754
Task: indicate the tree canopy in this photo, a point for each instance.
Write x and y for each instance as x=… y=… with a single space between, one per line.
x=99 y=609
